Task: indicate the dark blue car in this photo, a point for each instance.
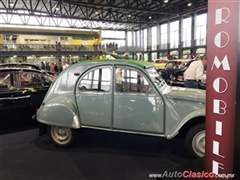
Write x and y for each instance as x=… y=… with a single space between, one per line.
x=172 y=66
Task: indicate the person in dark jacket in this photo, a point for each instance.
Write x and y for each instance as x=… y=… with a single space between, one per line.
x=43 y=65
x=48 y=66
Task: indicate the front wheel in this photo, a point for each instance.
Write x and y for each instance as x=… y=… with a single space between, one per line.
x=195 y=141
x=61 y=136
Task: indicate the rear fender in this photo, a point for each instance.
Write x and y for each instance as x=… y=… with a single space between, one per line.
x=59 y=111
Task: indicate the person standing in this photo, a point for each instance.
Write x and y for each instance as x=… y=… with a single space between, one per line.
x=43 y=66
x=52 y=67
x=65 y=65
x=195 y=72
x=47 y=66
x=56 y=68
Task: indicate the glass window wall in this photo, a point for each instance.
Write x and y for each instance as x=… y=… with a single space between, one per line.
x=163 y=55
x=145 y=39
x=187 y=32
x=164 y=31
x=154 y=38
x=113 y=34
x=174 y=34
x=138 y=38
x=201 y=29
x=129 y=39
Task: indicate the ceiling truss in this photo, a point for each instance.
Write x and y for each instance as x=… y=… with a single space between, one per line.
x=93 y=14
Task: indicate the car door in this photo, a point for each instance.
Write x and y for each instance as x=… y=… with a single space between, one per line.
x=9 y=112
x=94 y=97
x=137 y=105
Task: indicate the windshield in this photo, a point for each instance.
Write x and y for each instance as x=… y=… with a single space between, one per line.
x=158 y=80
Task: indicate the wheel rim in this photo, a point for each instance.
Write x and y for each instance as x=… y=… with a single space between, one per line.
x=61 y=135
x=198 y=143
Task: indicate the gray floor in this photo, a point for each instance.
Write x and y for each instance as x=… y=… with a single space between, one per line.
x=96 y=155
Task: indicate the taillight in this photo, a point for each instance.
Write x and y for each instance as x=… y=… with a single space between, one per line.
x=37 y=110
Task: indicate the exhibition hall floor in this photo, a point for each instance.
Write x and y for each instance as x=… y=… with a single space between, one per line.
x=97 y=155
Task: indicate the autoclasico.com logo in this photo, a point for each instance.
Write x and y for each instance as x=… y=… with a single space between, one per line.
x=190 y=174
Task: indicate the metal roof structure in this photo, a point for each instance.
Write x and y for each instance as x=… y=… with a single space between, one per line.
x=94 y=14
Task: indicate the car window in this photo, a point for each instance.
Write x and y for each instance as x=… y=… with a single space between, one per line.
x=129 y=80
x=6 y=81
x=96 y=80
x=33 y=79
x=46 y=79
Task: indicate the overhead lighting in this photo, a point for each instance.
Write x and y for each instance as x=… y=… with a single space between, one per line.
x=166 y=1
x=189 y=4
x=96 y=12
x=129 y=15
x=11 y=4
x=150 y=17
x=57 y=8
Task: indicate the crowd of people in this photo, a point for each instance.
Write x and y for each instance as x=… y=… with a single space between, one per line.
x=55 y=68
x=112 y=46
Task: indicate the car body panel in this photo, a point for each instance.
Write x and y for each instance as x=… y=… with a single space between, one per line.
x=128 y=114
x=159 y=111
x=59 y=111
x=159 y=65
x=18 y=102
x=88 y=102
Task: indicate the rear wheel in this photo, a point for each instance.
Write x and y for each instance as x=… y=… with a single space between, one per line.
x=195 y=140
x=61 y=136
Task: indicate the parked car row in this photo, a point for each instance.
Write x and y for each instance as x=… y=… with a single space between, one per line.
x=173 y=72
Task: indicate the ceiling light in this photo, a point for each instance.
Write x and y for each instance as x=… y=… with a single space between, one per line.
x=166 y=1
x=150 y=17
x=189 y=4
x=11 y=4
x=129 y=15
x=57 y=8
x=96 y=12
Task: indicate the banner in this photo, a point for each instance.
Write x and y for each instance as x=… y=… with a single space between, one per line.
x=222 y=57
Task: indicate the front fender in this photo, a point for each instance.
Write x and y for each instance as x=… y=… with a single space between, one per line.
x=194 y=114
x=59 y=111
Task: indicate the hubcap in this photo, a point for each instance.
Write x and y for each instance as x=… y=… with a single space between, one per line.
x=61 y=135
x=198 y=143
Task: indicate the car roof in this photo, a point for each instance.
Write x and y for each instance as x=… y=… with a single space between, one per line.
x=19 y=64
x=19 y=69
x=142 y=64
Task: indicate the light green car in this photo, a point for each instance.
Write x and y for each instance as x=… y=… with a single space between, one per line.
x=122 y=96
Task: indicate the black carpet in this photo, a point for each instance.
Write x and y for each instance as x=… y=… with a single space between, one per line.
x=97 y=155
